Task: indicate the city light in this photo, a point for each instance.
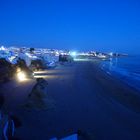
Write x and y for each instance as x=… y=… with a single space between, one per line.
x=73 y=54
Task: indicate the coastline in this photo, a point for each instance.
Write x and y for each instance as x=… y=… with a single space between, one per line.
x=81 y=97
x=125 y=69
x=116 y=88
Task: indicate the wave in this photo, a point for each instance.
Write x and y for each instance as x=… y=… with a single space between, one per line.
x=130 y=75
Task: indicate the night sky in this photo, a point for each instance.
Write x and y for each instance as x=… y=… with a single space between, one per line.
x=71 y=24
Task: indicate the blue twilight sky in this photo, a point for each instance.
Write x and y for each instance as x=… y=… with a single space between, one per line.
x=104 y=25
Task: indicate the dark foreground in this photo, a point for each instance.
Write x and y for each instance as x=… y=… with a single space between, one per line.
x=80 y=97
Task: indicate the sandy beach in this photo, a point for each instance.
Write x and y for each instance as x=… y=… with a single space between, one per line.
x=81 y=96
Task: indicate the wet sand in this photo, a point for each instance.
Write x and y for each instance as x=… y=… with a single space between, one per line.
x=80 y=97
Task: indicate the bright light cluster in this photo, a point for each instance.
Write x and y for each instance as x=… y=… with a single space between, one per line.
x=73 y=54
x=21 y=76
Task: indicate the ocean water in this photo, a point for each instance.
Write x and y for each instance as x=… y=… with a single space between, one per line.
x=125 y=68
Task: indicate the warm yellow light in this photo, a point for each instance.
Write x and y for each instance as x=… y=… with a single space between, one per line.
x=40 y=72
x=21 y=76
x=18 y=69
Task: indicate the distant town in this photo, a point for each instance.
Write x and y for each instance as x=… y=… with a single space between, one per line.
x=11 y=53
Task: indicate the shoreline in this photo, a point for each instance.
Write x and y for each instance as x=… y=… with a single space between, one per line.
x=121 y=91
x=131 y=78
x=81 y=96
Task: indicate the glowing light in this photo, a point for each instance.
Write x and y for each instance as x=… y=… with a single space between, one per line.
x=40 y=72
x=21 y=76
x=2 y=48
x=111 y=53
x=18 y=70
x=45 y=76
x=73 y=54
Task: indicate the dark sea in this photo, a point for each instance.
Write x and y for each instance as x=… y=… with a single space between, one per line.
x=125 y=68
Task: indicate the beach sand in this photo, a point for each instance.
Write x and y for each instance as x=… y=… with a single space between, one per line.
x=82 y=97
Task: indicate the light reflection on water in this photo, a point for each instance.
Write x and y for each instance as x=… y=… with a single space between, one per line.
x=126 y=68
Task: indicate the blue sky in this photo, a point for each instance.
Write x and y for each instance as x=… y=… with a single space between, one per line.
x=104 y=25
